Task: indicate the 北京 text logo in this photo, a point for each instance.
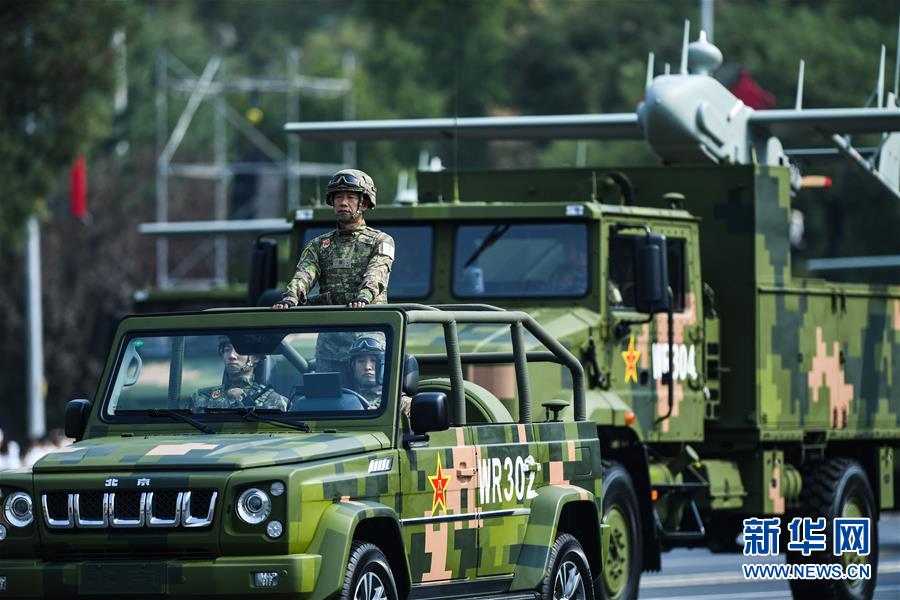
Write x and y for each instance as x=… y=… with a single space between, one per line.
x=762 y=537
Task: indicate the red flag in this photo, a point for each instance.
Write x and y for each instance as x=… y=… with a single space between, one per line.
x=751 y=93
x=78 y=188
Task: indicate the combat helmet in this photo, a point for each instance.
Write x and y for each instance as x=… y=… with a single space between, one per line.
x=351 y=180
x=368 y=345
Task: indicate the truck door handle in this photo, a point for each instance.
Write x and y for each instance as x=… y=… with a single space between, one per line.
x=464 y=473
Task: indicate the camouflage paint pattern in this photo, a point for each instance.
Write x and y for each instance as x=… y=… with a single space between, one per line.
x=475 y=501
x=348 y=264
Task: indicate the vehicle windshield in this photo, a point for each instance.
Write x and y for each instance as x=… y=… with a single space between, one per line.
x=538 y=260
x=315 y=374
x=411 y=271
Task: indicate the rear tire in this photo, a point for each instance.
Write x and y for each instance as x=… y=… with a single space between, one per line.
x=621 y=574
x=837 y=487
x=368 y=575
x=569 y=576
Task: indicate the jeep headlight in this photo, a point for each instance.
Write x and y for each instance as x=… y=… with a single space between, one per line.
x=19 y=509
x=254 y=506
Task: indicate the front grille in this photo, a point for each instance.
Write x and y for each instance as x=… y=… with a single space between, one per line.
x=58 y=506
x=165 y=505
x=128 y=505
x=91 y=506
x=200 y=503
x=123 y=509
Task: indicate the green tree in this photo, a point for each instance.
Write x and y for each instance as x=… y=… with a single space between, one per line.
x=56 y=80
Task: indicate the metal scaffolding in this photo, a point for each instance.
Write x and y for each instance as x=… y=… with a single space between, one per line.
x=173 y=78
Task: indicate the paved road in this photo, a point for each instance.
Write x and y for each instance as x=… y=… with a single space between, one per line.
x=690 y=574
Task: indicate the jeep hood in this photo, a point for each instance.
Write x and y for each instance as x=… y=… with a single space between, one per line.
x=213 y=452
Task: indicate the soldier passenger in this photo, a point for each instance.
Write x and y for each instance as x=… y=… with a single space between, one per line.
x=239 y=387
x=366 y=367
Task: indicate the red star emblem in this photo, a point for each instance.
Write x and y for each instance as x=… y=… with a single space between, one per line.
x=439 y=484
x=216 y=393
x=326 y=243
x=631 y=357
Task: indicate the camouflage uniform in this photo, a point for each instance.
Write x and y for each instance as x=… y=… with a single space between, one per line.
x=372 y=393
x=234 y=393
x=352 y=263
x=349 y=264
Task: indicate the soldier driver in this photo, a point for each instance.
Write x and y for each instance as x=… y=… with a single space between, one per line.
x=351 y=264
x=367 y=367
x=238 y=385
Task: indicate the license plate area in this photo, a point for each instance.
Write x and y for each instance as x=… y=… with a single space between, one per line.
x=123 y=578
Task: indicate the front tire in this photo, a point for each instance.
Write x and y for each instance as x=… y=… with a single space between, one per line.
x=837 y=487
x=368 y=575
x=569 y=577
x=621 y=574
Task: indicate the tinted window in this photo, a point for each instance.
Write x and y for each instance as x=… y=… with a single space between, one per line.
x=411 y=272
x=620 y=288
x=516 y=260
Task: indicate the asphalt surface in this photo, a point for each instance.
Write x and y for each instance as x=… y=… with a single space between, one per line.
x=690 y=574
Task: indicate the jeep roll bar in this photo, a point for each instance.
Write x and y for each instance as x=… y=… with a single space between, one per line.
x=518 y=322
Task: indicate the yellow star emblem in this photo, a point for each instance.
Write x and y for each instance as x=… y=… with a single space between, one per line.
x=630 y=357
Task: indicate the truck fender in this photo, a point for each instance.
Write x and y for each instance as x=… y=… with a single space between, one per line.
x=543 y=523
x=335 y=533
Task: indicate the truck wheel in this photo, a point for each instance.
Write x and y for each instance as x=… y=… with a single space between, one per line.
x=569 y=577
x=837 y=488
x=368 y=575
x=622 y=564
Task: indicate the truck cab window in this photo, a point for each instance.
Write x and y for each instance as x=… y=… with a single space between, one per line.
x=515 y=260
x=621 y=274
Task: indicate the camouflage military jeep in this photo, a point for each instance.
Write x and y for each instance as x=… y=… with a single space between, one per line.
x=335 y=496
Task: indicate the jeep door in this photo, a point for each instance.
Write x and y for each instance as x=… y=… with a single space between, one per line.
x=438 y=507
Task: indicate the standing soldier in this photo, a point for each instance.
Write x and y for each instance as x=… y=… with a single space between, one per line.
x=351 y=264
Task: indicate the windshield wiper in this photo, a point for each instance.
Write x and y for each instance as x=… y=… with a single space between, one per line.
x=261 y=414
x=495 y=234
x=180 y=414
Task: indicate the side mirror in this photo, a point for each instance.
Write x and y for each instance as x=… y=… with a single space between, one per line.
x=263 y=270
x=429 y=411
x=77 y=412
x=410 y=375
x=651 y=274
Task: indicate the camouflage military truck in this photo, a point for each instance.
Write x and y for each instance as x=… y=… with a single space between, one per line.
x=336 y=496
x=783 y=400
x=723 y=383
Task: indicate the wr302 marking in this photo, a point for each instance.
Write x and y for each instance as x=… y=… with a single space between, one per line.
x=504 y=479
